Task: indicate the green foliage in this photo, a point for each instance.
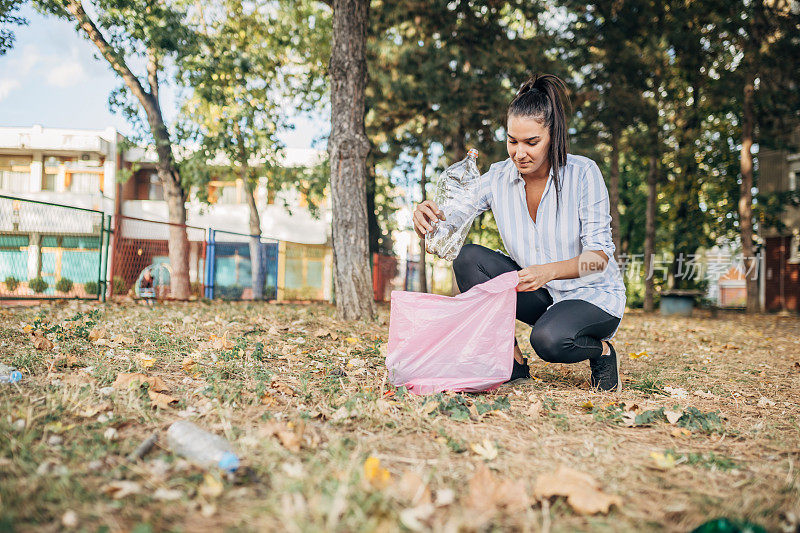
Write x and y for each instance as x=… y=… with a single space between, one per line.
x=64 y=285
x=8 y=18
x=38 y=285
x=696 y=420
x=12 y=283
x=457 y=406
x=90 y=288
x=119 y=284
x=229 y=292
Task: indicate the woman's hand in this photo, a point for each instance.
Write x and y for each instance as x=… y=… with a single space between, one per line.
x=534 y=277
x=425 y=215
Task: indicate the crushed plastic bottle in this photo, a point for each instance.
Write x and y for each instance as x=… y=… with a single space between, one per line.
x=201 y=447
x=456 y=195
x=9 y=374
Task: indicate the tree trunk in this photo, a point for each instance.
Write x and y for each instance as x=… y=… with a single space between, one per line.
x=423 y=274
x=348 y=147
x=256 y=265
x=613 y=191
x=170 y=179
x=650 y=222
x=175 y=196
x=746 y=198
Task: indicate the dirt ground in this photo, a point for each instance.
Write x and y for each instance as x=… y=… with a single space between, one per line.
x=707 y=426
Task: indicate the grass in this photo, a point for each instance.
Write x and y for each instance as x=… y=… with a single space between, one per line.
x=304 y=399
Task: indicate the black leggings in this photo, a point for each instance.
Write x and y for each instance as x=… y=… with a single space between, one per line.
x=566 y=332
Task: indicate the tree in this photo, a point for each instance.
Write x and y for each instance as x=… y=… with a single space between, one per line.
x=126 y=32
x=348 y=147
x=236 y=109
x=8 y=18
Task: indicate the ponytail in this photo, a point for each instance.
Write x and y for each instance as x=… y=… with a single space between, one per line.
x=544 y=98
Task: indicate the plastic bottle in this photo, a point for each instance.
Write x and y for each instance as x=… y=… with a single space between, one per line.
x=455 y=195
x=8 y=374
x=201 y=447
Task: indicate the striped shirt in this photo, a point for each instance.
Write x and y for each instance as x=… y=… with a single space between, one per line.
x=583 y=223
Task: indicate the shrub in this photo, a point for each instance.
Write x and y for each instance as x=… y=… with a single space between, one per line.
x=64 y=285
x=119 y=285
x=12 y=283
x=38 y=285
x=90 y=287
x=229 y=292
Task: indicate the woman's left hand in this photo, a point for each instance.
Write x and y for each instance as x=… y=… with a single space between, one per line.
x=533 y=277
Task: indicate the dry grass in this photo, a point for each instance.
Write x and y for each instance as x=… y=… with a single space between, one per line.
x=305 y=400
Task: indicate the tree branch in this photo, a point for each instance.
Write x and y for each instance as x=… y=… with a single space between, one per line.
x=152 y=72
x=75 y=8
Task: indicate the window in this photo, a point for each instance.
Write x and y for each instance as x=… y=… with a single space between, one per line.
x=793 y=180
x=84 y=182
x=15 y=174
x=156 y=190
x=51 y=169
x=794 y=248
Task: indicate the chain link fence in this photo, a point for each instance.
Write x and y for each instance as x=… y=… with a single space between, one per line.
x=51 y=251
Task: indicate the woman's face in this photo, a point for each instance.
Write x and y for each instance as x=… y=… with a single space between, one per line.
x=528 y=142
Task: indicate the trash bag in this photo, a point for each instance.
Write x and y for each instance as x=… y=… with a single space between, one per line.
x=462 y=343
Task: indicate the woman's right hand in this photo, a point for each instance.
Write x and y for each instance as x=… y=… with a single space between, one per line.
x=425 y=216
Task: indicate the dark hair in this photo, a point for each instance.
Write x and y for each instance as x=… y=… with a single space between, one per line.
x=544 y=97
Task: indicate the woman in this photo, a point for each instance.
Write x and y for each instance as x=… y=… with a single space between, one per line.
x=552 y=212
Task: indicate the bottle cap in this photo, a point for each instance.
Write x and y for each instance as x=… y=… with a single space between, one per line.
x=229 y=462
x=473 y=153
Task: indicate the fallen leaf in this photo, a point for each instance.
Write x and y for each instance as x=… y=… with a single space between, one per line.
x=189 y=365
x=27 y=328
x=268 y=400
x=676 y=392
x=212 y=486
x=673 y=416
x=283 y=388
x=765 y=402
x=535 y=409
x=125 y=380
x=221 y=343
x=663 y=461
x=485 y=449
x=97 y=333
x=351 y=340
x=587 y=406
x=581 y=490
x=376 y=477
x=634 y=355
x=40 y=342
x=159 y=399
x=147 y=361
x=122 y=488
x=487 y=493
x=680 y=432
x=412 y=489
x=413 y=517
x=122 y=339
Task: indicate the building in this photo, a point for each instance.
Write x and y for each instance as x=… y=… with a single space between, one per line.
x=779 y=172
x=93 y=169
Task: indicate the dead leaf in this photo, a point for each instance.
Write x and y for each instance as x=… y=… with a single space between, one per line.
x=283 y=388
x=167 y=495
x=146 y=360
x=268 y=400
x=673 y=416
x=587 y=406
x=189 y=365
x=486 y=449
x=413 y=517
x=122 y=488
x=159 y=399
x=488 y=494
x=634 y=355
x=289 y=435
x=125 y=380
x=377 y=477
x=351 y=340
x=122 y=339
x=221 y=343
x=97 y=333
x=663 y=461
x=535 y=409
x=40 y=342
x=212 y=486
x=680 y=432
x=581 y=490
x=412 y=489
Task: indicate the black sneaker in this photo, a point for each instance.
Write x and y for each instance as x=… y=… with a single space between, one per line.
x=605 y=371
x=520 y=371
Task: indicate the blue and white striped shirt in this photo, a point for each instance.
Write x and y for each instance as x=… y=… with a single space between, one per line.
x=583 y=223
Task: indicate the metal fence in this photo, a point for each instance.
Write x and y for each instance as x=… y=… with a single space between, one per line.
x=51 y=251
x=140 y=257
x=241 y=266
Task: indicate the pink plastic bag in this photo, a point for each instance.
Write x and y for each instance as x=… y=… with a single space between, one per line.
x=462 y=343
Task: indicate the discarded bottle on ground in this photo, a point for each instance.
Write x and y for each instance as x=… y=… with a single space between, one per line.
x=9 y=374
x=201 y=447
x=456 y=196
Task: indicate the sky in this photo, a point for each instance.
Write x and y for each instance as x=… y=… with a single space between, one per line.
x=52 y=77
